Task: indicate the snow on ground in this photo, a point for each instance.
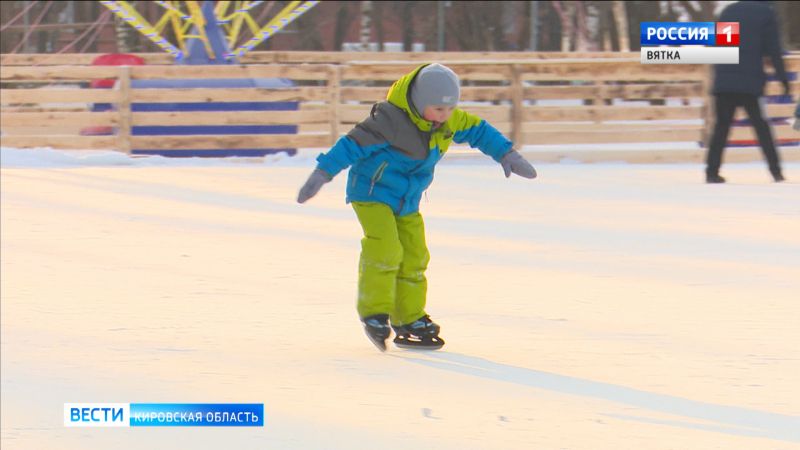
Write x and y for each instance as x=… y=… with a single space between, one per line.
x=601 y=306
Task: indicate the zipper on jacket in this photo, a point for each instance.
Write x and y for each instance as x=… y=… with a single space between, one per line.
x=377 y=176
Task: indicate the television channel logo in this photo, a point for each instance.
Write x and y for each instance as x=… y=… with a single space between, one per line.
x=163 y=414
x=689 y=42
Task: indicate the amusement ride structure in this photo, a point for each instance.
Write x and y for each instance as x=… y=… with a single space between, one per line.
x=207 y=33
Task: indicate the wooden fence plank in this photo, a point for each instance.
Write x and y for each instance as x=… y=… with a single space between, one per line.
x=229 y=95
x=48 y=73
x=393 y=71
x=231 y=141
x=289 y=57
x=619 y=91
x=230 y=118
x=38 y=130
x=605 y=113
x=38 y=59
x=294 y=72
x=61 y=142
x=595 y=137
x=12 y=96
x=776 y=88
x=493 y=114
x=772 y=110
x=350 y=114
x=487 y=93
x=747 y=133
x=57 y=119
x=585 y=69
x=609 y=70
x=605 y=127
x=45 y=108
x=364 y=94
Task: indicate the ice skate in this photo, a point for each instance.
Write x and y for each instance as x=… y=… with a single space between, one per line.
x=377 y=329
x=421 y=334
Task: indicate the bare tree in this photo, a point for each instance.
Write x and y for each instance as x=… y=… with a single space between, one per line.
x=408 y=25
x=8 y=11
x=477 y=26
x=621 y=21
x=343 y=20
x=366 y=25
x=582 y=41
x=524 y=37
x=308 y=32
x=377 y=19
x=123 y=32
x=574 y=25
x=565 y=14
x=670 y=15
x=640 y=11
x=605 y=26
x=789 y=13
x=549 y=32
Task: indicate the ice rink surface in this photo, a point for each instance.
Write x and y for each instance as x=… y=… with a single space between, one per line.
x=600 y=306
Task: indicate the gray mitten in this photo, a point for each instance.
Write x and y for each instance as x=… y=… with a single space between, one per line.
x=313 y=185
x=514 y=162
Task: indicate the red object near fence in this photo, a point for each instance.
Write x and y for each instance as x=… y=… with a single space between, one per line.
x=109 y=59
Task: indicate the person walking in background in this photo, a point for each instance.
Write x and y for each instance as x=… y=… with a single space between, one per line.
x=392 y=155
x=743 y=84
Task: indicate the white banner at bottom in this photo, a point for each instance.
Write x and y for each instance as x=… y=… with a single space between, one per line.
x=690 y=55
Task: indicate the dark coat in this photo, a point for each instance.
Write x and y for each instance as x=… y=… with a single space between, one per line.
x=758 y=37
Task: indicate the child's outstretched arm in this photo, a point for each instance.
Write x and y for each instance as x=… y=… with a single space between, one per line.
x=363 y=140
x=479 y=134
x=342 y=155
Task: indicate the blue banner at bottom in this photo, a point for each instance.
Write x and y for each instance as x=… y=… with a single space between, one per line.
x=197 y=414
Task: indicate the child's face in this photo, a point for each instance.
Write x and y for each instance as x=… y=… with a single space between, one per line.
x=438 y=114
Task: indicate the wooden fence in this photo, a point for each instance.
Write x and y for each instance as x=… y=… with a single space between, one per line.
x=534 y=99
x=300 y=57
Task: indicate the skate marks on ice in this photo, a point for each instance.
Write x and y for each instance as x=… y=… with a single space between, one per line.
x=732 y=420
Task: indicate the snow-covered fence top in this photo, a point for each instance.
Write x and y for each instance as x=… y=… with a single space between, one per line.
x=534 y=100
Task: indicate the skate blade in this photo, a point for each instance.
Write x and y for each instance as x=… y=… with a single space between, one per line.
x=381 y=345
x=424 y=344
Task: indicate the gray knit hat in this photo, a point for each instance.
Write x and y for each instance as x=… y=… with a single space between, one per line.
x=435 y=84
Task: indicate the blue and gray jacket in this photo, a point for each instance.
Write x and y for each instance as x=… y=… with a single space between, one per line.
x=393 y=152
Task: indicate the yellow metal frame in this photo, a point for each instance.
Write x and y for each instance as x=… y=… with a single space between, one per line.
x=174 y=16
x=284 y=18
x=127 y=13
x=233 y=16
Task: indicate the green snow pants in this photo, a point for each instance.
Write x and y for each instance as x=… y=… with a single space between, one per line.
x=391 y=270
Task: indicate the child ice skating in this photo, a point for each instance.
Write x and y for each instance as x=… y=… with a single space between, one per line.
x=392 y=155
